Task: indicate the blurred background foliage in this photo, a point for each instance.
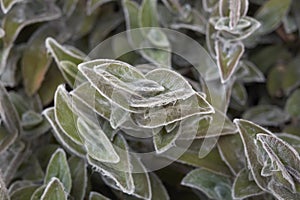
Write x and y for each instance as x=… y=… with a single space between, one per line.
x=255 y=44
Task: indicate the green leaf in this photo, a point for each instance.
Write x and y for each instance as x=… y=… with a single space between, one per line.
x=6 y=5
x=232 y=156
x=92 y=5
x=97 y=196
x=228 y=56
x=281 y=192
x=31 y=119
x=266 y=115
x=3 y=190
x=10 y=118
x=292 y=105
x=239 y=93
x=158 y=189
x=61 y=53
x=58 y=167
x=88 y=95
x=36 y=60
x=71 y=73
x=213 y=185
x=96 y=142
x=293 y=140
x=285 y=157
x=119 y=172
x=274 y=81
x=248 y=132
x=243 y=187
x=54 y=190
x=212 y=161
x=176 y=87
x=21 y=15
x=23 y=193
x=65 y=114
x=52 y=80
x=148 y=16
x=37 y=194
x=78 y=169
x=172 y=112
x=290 y=79
x=270 y=14
x=248 y=72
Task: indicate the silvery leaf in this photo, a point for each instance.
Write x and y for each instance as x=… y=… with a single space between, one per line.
x=96 y=143
x=54 y=190
x=58 y=167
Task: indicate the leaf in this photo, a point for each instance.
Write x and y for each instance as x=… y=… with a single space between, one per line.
x=3 y=190
x=65 y=114
x=176 y=87
x=71 y=73
x=213 y=185
x=92 y=5
x=274 y=81
x=234 y=159
x=243 y=187
x=292 y=104
x=58 y=167
x=281 y=192
x=212 y=161
x=148 y=14
x=172 y=112
x=291 y=139
x=78 y=169
x=37 y=194
x=61 y=53
x=97 y=196
x=251 y=72
x=248 y=132
x=54 y=190
x=93 y=99
x=158 y=189
x=119 y=172
x=286 y=158
x=10 y=119
x=23 y=193
x=96 y=142
x=266 y=115
x=52 y=80
x=21 y=15
x=6 y=5
x=270 y=14
x=142 y=189
x=36 y=60
x=61 y=137
x=290 y=80
x=239 y=93
x=228 y=56
x=31 y=119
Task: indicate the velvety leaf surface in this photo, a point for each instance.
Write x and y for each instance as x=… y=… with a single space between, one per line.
x=54 y=190
x=213 y=185
x=58 y=167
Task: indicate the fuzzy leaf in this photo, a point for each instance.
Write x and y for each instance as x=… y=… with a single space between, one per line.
x=292 y=105
x=71 y=73
x=54 y=190
x=97 y=196
x=239 y=93
x=78 y=171
x=243 y=187
x=96 y=142
x=119 y=172
x=213 y=185
x=58 y=167
x=248 y=72
x=248 y=132
x=64 y=114
x=61 y=137
x=232 y=157
x=6 y=5
x=266 y=115
x=92 y=5
x=23 y=193
x=271 y=14
x=3 y=190
x=228 y=56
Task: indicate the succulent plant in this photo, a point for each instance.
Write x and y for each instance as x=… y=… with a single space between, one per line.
x=147 y=99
